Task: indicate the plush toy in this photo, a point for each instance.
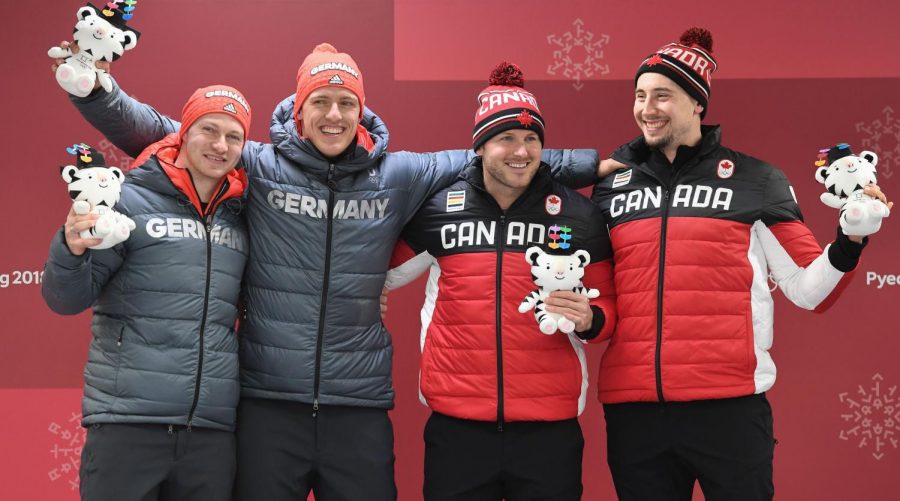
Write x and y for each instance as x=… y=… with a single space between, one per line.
x=101 y=35
x=552 y=272
x=94 y=187
x=844 y=177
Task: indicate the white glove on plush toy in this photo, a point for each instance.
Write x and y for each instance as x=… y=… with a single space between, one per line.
x=101 y=35
x=93 y=187
x=552 y=272
x=845 y=177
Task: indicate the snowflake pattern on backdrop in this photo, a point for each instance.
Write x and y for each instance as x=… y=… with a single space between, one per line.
x=577 y=54
x=66 y=450
x=882 y=136
x=873 y=417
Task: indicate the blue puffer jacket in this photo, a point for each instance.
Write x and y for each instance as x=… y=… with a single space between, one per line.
x=321 y=236
x=164 y=348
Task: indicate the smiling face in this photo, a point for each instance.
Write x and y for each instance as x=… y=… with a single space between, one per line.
x=510 y=160
x=211 y=148
x=328 y=118
x=667 y=116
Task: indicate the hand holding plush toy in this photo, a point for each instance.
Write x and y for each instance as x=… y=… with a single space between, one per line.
x=95 y=188
x=552 y=272
x=845 y=177
x=101 y=35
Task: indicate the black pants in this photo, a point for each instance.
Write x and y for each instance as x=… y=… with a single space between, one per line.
x=473 y=461
x=344 y=453
x=659 y=450
x=148 y=462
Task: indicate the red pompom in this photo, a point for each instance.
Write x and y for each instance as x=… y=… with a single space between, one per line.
x=697 y=36
x=507 y=74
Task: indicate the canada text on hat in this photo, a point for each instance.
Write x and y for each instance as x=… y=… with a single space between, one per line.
x=688 y=63
x=504 y=104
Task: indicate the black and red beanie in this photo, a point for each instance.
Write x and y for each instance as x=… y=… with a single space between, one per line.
x=688 y=63
x=505 y=104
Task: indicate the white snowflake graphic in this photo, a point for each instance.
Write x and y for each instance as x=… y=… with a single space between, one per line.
x=66 y=450
x=873 y=417
x=882 y=136
x=578 y=55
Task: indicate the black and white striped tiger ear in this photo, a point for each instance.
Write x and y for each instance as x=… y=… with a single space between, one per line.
x=532 y=254
x=117 y=172
x=130 y=40
x=68 y=173
x=85 y=12
x=583 y=257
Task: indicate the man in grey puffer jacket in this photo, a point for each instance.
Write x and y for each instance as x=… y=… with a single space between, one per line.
x=161 y=384
x=326 y=205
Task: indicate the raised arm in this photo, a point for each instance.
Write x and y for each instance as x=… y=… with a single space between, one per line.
x=125 y=121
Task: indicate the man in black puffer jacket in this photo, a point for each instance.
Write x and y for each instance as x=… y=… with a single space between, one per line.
x=162 y=380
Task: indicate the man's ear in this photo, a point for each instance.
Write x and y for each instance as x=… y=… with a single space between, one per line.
x=480 y=151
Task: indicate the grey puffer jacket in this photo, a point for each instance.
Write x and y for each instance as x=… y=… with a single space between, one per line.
x=321 y=236
x=164 y=349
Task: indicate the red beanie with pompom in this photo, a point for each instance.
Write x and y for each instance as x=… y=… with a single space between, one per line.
x=689 y=63
x=504 y=104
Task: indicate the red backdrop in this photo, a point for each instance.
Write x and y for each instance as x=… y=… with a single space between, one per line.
x=793 y=78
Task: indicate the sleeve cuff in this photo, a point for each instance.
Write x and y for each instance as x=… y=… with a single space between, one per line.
x=62 y=256
x=844 y=253
x=596 y=325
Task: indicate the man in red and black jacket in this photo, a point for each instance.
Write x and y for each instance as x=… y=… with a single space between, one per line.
x=505 y=397
x=696 y=230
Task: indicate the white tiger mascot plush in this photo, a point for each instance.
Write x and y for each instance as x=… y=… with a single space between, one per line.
x=844 y=178
x=101 y=36
x=555 y=273
x=93 y=187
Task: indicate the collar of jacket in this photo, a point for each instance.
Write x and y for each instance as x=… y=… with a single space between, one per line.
x=371 y=144
x=159 y=173
x=637 y=152
x=473 y=174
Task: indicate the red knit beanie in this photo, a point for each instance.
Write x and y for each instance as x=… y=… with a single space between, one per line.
x=326 y=66
x=504 y=104
x=688 y=63
x=215 y=99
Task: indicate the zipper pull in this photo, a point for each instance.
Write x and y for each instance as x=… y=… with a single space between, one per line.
x=331 y=183
x=315 y=407
x=170 y=429
x=189 y=426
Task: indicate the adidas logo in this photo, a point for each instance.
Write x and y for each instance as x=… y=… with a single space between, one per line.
x=336 y=80
x=230 y=107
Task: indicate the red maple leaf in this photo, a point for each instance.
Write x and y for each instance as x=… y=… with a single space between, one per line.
x=554 y=199
x=525 y=118
x=653 y=61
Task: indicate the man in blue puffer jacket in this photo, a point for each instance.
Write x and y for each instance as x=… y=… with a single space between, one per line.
x=326 y=205
x=162 y=380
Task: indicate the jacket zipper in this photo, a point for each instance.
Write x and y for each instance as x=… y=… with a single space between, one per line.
x=202 y=323
x=659 y=296
x=208 y=226
x=321 y=334
x=501 y=243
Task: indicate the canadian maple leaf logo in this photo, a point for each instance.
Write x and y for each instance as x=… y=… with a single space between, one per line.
x=525 y=118
x=653 y=61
